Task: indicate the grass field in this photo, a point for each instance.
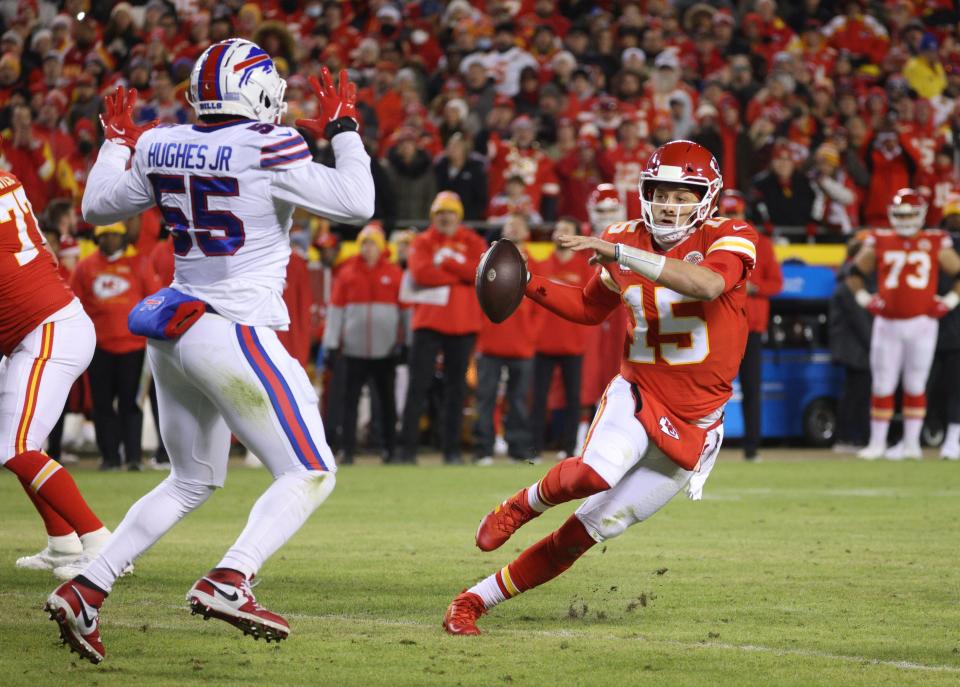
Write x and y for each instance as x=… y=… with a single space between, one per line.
x=790 y=572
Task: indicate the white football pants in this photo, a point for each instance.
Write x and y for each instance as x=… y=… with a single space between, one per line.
x=218 y=378
x=902 y=347
x=36 y=378
x=643 y=478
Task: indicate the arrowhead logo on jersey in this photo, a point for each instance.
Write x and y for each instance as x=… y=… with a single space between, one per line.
x=106 y=286
x=667 y=428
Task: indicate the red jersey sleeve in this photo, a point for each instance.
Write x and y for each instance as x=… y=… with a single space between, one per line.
x=732 y=250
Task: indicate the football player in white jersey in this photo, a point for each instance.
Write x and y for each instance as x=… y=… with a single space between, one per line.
x=227 y=186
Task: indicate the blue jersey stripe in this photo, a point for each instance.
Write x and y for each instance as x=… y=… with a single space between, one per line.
x=274 y=161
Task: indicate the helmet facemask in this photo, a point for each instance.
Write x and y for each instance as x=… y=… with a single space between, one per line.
x=907 y=220
x=686 y=216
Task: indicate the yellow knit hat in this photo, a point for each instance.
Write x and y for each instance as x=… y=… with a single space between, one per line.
x=117 y=228
x=447 y=200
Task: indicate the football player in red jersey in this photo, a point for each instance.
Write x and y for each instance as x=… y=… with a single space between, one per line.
x=47 y=341
x=680 y=272
x=907 y=262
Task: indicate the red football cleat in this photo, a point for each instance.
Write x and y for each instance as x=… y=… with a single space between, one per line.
x=499 y=524
x=462 y=614
x=225 y=594
x=75 y=608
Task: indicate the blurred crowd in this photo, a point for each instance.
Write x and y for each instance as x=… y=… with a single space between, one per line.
x=817 y=111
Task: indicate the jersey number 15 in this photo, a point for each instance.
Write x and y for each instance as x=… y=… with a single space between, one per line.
x=217 y=232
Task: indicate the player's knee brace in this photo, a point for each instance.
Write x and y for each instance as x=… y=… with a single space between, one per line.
x=612 y=453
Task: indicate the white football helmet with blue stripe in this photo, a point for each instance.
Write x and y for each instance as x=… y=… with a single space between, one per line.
x=237 y=77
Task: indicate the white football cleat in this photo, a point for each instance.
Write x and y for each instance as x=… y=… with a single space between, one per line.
x=871 y=452
x=901 y=451
x=951 y=452
x=77 y=567
x=48 y=559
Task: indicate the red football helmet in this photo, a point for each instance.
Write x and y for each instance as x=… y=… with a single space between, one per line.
x=907 y=211
x=680 y=163
x=604 y=208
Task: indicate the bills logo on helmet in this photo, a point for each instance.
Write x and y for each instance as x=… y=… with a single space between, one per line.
x=257 y=58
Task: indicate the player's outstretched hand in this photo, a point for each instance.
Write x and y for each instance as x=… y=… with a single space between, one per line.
x=117 y=118
x=603 y=251
x=334 y=104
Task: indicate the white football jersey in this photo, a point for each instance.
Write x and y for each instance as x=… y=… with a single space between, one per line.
x=228 y=193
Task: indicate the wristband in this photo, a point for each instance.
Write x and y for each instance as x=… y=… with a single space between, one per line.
x=951 y=300
x=863 y=297
x=338 y=126
x=643 y=262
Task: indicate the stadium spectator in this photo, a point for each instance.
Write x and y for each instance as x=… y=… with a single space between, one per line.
x=446 y=318
x=578 y=174
x=850 y=329
x=834 y=193
x=560 y=344
x=782 y=194
x=765 y=281
x=508 y=346
x=109 y=283
x=514 y=200
x=410 y=171
x=365 y=325
x=298 y=298
x=461 y=171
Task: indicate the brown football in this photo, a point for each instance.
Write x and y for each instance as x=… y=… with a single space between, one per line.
x=501 y=280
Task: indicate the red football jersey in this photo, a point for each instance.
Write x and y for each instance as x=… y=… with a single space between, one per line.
x=907 y=269
x=683 y=352
x=31 y=288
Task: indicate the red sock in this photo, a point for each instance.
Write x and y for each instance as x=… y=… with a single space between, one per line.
x=48 y=480
x=54 y=524
x=550 y=556
x=881 y=407
x=569 y=480
x=914 y=406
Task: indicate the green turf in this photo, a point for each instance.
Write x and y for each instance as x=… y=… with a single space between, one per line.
x=789 y=573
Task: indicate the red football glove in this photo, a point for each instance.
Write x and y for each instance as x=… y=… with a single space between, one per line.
x=876 y=305
x=117 y=118
x=334 y=104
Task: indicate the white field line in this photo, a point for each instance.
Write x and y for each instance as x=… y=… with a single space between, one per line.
x=575 y=634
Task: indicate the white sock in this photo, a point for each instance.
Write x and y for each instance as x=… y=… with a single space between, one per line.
x=911 y=431
x=953 y=435
x=67 y=543
x=146 y=521
x=533 y=498
x=92 y=542
x=489 y=590
x=878 y=432
x=276 y=516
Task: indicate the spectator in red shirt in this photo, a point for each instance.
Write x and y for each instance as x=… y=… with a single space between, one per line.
x=560 y=344
x=509 y=345
x=765 y=281
x=578 y=174
x=109 y=284
x=446 y=317
x=365 y=324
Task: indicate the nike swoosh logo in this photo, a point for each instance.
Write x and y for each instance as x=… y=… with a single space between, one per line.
x=87 y=612
x=232 y=596
x=122 y=132
x=739 y=227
